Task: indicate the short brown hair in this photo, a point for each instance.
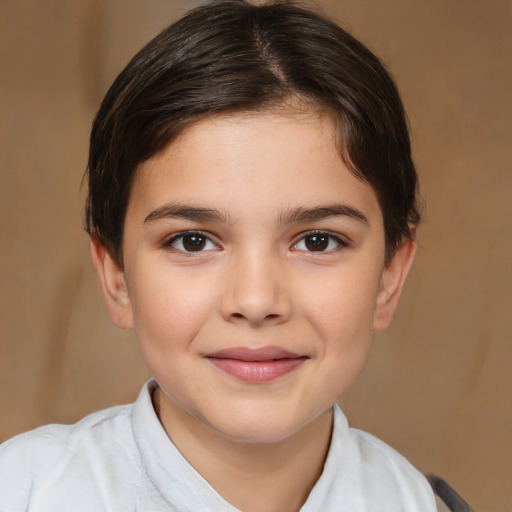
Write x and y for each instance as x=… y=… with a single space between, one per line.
x=232 y=56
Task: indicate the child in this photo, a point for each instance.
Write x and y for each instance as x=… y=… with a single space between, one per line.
x=252 y=214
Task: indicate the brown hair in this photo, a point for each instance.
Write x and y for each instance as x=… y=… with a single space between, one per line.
x=232 y=56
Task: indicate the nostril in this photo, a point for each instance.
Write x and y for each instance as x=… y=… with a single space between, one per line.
x=240 y=316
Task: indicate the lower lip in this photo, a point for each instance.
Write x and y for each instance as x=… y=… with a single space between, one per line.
x=255 y=372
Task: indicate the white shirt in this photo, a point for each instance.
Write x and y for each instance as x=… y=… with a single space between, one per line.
x=121 y=460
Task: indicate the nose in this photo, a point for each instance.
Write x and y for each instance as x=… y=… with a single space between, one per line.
x=255 y=290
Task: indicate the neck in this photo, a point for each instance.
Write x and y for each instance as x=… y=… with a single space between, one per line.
x=253 y=477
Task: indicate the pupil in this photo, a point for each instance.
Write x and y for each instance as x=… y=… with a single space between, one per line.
x=317 y=242
x=194 y=242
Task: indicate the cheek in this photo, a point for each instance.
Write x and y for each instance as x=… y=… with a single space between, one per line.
x=169 y=310
x=343 y=319
x=341 y=307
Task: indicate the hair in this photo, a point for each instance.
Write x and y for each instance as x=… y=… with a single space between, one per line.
x=232 y=56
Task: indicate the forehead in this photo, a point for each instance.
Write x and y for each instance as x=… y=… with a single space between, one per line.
x=266 y=160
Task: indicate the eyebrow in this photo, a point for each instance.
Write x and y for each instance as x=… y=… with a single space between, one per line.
x=301 y=214
x=297 y=215
x=189 y=212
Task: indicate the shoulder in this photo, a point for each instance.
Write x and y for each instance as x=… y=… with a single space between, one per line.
x=37 y=459
x=380 y=473
x=46 y=443
x=447 y=499
x=379 y=456
x=374 y=450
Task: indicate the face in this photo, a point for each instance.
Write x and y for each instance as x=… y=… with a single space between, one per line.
x=253 y=274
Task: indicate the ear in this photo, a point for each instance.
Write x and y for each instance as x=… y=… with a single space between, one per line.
x=392 y=282
x=114 y=286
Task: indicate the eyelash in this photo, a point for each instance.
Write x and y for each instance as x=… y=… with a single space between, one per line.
x=182 y=236
x=329 y=237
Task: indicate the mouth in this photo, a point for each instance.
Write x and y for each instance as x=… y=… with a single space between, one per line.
x=255 y=366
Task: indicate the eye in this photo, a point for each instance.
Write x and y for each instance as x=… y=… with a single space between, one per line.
x=319 y=242
x=191 y=241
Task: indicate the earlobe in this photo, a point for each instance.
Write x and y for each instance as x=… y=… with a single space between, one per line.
x=392 y=282
x=113 y=283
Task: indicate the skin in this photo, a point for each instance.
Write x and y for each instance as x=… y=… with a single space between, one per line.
x=257 y=281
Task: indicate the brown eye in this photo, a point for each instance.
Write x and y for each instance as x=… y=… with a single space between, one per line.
x=191 y=242
x=318 y=242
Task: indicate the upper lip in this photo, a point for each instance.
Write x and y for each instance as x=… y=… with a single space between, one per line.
x=268 y=353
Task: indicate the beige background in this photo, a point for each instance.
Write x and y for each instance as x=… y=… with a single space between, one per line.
x=437 y=386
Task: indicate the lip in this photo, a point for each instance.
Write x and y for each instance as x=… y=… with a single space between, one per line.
x=258 y=365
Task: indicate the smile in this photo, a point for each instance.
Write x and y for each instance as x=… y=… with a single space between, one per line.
x=256 y=365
